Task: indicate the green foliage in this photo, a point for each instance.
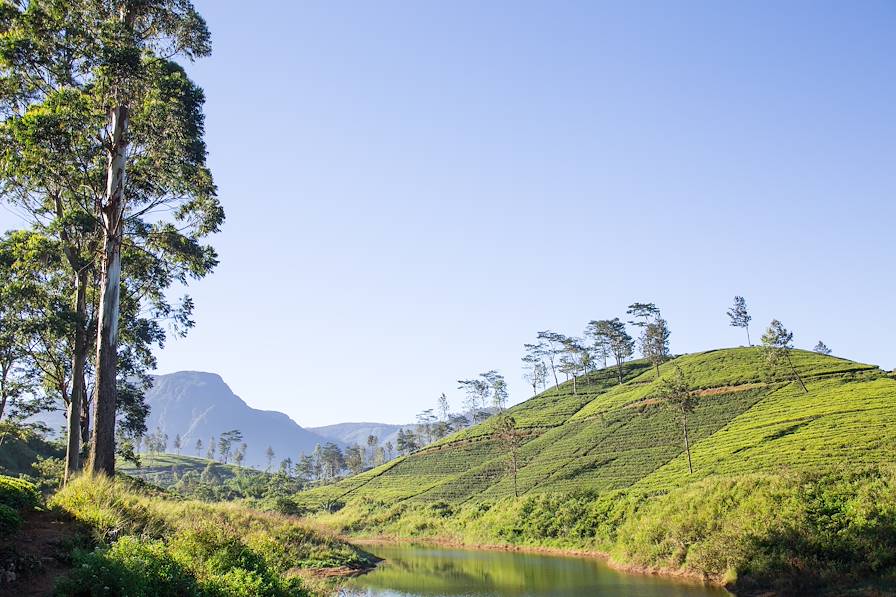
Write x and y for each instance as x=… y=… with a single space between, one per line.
x=199 y=548
x=49 y=473
x=21 y=447
x=18 y=494
x=133 y=566
x=772 y=495
x=10 y=521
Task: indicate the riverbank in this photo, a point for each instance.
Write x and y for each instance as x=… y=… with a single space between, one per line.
x=541 y=550
x=792 y=533
x=136 y=540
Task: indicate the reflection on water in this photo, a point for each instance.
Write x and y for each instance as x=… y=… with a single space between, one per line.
x=411 y=571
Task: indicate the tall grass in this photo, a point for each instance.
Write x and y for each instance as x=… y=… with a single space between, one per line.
x=148 y=544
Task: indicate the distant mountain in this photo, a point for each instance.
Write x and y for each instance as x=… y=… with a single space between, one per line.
x=356 y=433
x=200 y=405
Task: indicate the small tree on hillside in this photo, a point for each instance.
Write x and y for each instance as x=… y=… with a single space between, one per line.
x=198 y=448
x=655 y=343
x=676 y=390
x=177 y=444
x=210 y=454
x=573 y=360
x=599 y=346
x=269 y=454
x=498 y=389
x=354 y=458
x=619 y=342
x=509 y=437
x=534 y=370
x=551 y=344
x=642 y=313
x=477 y=391
x=777 y=343
x=444 y=408
x=822 y=348
x=239 y=456
x=739 y=316
x=372 y=442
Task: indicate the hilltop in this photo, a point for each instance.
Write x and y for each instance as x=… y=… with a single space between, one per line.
x=607 y=436
x=602 y=467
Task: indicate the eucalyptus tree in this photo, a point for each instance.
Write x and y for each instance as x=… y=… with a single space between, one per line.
x=551 y=346
x=676 y=390
x=477 y=391
x=94 y=93
x=642 y=314
x=425 y=421
x=497 y=389
x=21 y=302
x=372 y=442
x=777 y=342
x=354 y=458
x=655 y=343
x=510 y=439
x=573 y=360
x=534 y=370
x=444 y=408
x=739 y=317
x=822 y=348
x=618 y=341
x=599 y=346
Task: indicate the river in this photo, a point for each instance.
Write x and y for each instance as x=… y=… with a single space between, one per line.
x=412 y=571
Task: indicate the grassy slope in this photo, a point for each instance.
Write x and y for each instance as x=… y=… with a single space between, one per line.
x=609 y=436
x=791 y=491
x=150 y=543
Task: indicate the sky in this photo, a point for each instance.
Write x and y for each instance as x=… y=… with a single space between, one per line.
x=414 y=189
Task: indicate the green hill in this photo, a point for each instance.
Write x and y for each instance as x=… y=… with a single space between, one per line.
x=785 y=483
x=609 y=436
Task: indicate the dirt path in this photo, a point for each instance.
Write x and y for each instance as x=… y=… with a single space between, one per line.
x=38 y=554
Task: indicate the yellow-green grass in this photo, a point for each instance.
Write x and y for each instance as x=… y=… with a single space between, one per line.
x=216 y=549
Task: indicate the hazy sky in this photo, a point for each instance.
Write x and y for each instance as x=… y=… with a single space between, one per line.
x=414 y=189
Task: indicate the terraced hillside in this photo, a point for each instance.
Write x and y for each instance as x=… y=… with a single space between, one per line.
x=607 y=436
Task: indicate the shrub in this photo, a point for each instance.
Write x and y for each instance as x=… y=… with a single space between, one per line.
x=10 y=521
x=133 y=567
x=18 y=494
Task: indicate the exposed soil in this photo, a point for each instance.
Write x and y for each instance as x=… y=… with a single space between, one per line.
x=38 y=554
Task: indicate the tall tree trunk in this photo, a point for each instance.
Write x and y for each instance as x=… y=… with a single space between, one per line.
x=749 y=343
x=78 y=400
x=102 y=446
x=687 y=444
x=795 y=374
x=554 y=371
x=619 y=369
x=3 y=393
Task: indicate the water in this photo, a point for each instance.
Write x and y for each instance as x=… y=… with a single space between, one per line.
x=412 y=571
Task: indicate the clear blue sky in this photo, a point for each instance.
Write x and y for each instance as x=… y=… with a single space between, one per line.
x=414 y=189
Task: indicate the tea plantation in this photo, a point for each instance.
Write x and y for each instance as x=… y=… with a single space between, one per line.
x=607 y=436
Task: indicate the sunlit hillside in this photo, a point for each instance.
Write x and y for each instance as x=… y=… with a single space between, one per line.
x=605 y=435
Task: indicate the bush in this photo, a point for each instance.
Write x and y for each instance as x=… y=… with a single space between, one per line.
x=132 y=567
x=18 y=494
x=10 y=521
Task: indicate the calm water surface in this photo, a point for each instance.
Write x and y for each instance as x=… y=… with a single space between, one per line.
x=411 y=571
